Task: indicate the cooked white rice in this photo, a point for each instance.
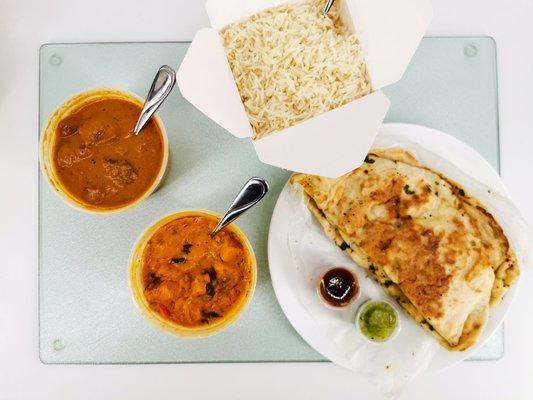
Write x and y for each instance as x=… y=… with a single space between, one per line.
x=291 y=63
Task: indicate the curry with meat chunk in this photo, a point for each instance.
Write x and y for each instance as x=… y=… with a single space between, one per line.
x=191 y=278
x=98 y=159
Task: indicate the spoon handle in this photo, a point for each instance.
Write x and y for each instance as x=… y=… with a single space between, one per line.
x=253 y=191
x=328 y=6
x=161 y=86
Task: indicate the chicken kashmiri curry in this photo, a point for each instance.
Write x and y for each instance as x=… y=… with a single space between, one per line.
x=99 y=160
x=191 y=278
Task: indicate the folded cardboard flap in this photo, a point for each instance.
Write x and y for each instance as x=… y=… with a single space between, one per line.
x=205 y=80
x=330 y=144
x=389 y=32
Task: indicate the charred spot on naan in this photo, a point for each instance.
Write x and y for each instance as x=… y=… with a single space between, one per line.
x=396 y=154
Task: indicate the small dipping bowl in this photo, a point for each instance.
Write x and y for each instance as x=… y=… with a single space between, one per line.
x=338 y=287
x=48 y=138
x=166 y=325
x=366 y=307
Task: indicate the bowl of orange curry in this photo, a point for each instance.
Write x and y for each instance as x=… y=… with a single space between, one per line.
x=92 y=158
x=187 y=282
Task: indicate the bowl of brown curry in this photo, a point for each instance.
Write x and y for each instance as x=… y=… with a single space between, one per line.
x=187 y=282
x=92 y=158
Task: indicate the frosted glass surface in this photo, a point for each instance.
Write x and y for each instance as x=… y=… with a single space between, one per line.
x=86 y=312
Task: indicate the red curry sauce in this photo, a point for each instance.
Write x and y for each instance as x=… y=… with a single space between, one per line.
x=99 y=160
x=192 y=279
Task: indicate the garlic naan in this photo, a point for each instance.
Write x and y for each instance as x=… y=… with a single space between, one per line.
x=428 y=243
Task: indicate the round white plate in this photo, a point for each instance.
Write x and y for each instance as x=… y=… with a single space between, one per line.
x=285 y=276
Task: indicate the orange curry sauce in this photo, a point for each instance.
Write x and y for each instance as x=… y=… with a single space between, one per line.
x=192 y=279
x=99 y=160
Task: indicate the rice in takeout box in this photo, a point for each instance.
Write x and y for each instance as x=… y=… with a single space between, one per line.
x=291 y=63
x=303 y=86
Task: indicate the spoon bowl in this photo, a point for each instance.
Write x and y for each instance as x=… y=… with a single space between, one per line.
x=161 y=87
x=251 y=193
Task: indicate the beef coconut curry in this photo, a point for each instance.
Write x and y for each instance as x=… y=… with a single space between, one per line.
x=99 y=160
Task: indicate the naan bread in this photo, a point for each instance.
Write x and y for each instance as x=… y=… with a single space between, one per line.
x=427 y=242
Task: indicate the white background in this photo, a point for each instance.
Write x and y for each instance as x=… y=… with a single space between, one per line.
x=25 y=25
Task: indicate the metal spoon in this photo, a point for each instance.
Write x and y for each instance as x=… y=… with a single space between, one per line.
x=328 y=6
x=161 y=86
x=253 y=191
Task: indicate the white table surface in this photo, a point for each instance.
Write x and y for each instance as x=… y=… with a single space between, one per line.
x=26 y=24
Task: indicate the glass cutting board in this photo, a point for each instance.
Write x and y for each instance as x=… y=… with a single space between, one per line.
x=86 y=312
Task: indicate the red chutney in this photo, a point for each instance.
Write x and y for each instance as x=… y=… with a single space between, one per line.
x=338 y=287
x=192 y=279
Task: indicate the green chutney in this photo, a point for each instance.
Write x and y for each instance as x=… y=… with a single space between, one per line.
x=378 y=320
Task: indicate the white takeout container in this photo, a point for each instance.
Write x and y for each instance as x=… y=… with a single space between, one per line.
x=329 y=144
